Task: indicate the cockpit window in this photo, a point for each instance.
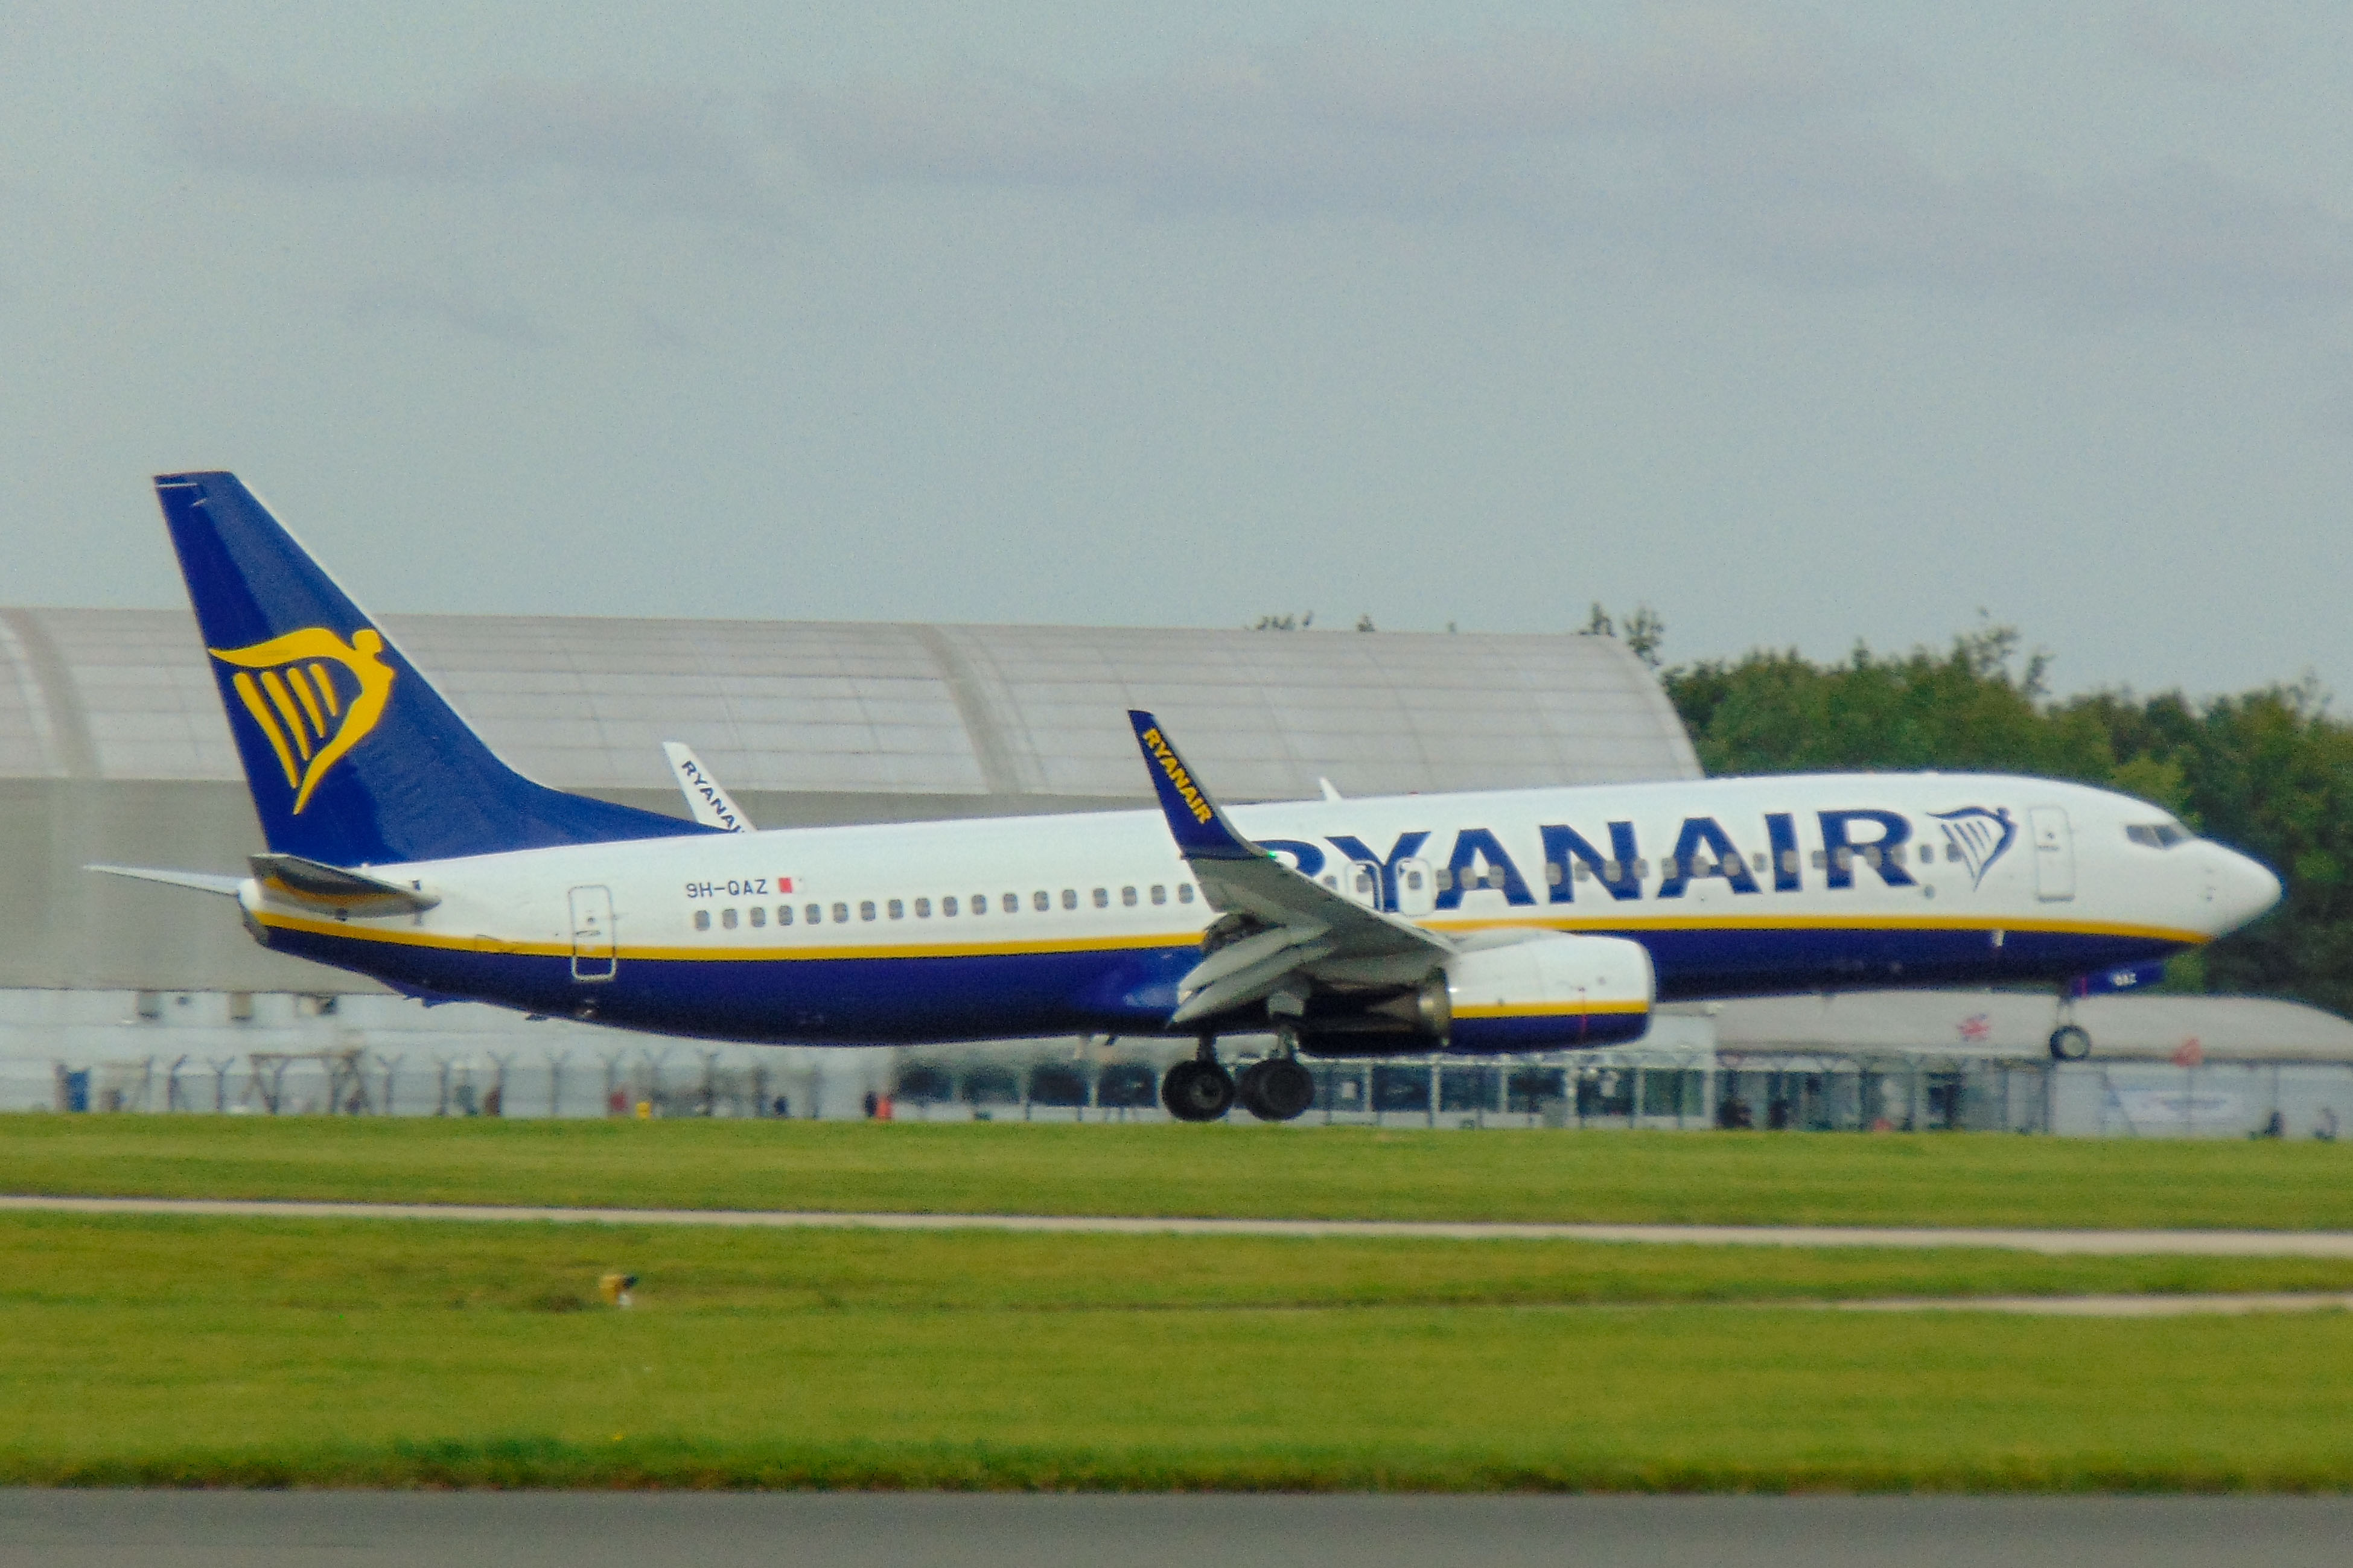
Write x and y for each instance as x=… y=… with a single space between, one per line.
x=2157 y=835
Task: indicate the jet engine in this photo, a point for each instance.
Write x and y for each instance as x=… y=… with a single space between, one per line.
x=1551 y=992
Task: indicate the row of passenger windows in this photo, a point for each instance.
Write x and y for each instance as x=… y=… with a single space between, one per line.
x=950 y=906
x=1442 y=877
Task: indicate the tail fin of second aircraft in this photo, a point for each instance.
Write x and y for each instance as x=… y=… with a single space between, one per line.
x=352 y=758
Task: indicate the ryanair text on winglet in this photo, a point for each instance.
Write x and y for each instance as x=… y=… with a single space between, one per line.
x=1177 y=775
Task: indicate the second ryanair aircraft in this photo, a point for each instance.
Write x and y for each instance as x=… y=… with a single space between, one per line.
x=400 y=847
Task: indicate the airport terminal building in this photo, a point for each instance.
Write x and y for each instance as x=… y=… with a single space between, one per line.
x=113 y=748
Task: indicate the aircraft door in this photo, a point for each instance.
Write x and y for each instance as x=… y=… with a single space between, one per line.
x=592 y=933
x=1416 y=890
x=2054 y=853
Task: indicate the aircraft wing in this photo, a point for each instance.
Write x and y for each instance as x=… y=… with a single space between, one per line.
x=1307 y=929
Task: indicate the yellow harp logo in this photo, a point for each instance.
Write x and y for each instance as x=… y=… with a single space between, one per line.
x=314 y=696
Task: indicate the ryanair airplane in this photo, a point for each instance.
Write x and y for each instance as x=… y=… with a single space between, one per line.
x=401 y=848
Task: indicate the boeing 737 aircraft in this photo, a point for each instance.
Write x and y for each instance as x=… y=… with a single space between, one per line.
x=401 y=848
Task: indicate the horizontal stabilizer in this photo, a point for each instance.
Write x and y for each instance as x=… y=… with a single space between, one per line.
x=316 y=882
x=202 y=881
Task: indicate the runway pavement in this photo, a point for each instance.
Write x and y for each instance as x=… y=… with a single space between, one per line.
x=2111 y=1242
x=576 y=1529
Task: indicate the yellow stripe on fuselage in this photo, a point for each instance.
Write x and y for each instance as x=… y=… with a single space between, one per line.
x=1636 y=925
x=1548 y=1009
x=714 y=952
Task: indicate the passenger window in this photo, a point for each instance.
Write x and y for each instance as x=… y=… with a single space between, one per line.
x=1611 y=871
x=1159 y=893
x=783 y=914
x=1789 y=862
x=1584 y=873
x=1553 y=875
x=759 y=915
x=727 y=919
x=866 y=909
x=702 y=920
x=816 y=913
x=1184 y=893
x=1445 y=875
x=1667 y=867
x=898 y=910
x=980 y=903
x=1819 y=861
x=1871 y=855
x=1641 y=869
x=948 y=905
x=923 y=909
x=1757 y=862
x=1069 y=898
x=1102 y=897
x=1846 y=859
x=1127 y=897
x=1331 y=882
x=1042 y=901
x=1927 y=854
x=1010 y=903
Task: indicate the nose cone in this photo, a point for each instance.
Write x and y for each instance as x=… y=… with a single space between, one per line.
x=2239 y=889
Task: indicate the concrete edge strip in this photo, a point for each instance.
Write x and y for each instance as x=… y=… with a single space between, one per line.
x=2054 y=1243
x=2244 y=1304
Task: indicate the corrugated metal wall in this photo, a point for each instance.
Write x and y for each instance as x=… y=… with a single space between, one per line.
x=113 y=746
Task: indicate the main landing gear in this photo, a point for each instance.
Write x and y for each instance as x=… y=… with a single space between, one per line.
x=1276 y=1090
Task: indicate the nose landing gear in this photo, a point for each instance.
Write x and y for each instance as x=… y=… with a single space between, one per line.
x=2070 y=1042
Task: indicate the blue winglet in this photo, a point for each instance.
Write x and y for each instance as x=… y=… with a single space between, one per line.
x=1200 y=829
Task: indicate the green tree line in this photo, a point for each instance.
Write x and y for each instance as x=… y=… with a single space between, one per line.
x=2269 y=772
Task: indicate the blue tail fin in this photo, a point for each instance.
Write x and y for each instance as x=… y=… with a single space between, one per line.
x=351 y=756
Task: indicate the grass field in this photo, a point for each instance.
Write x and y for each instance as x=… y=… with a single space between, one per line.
x=273 y=1352
x=264 y=1351
x=1323 y=1173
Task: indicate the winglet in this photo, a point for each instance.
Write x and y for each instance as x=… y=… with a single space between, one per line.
x=1200 y=829
x=710 y=804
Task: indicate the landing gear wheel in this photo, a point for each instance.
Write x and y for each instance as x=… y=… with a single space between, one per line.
x=2070 y=1042
x=1277 y=1089
x=1198 y=1092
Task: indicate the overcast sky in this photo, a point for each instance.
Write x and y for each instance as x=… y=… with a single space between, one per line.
x=1803 y=324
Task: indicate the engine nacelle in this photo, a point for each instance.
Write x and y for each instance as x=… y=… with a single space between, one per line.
x=1549 y=993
